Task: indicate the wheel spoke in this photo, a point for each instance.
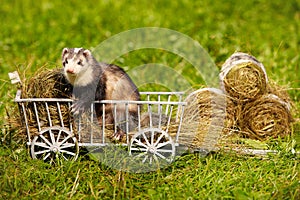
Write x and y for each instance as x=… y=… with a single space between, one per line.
x=152 y=137
x=141 y=154
x=163 y=144
x=144 y=160
x=46 y=140
x=158 y=139
x=41 y=152
x=138 y=149
x=41 y=144
x=52 y=136
x=150 y=159
x=65 y=139
x=67 y=152
x=161 y=156
x=58 y=136
x=64 y=157
x=67 y=145
x=140 y=143
x=155 y=158
x=164 y=150
x=146 y=139
x=51 y=160
x=48 y=154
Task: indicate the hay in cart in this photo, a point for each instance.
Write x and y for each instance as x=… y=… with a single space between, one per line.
x=41 y=113
x=44 y=83
x=38 y=113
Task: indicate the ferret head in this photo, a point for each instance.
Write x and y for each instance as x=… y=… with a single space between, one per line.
x=77 y=65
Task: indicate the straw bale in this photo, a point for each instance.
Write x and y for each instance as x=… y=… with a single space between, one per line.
x=266 y=117
x=205 y=119
x=243 y=77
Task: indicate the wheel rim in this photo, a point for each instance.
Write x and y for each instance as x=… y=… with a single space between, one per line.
x=152 y=145
x=54 y=142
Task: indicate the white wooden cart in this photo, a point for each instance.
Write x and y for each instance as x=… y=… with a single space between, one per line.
x=55 y=134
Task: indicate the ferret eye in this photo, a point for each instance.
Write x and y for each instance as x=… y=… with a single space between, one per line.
x=65 y=62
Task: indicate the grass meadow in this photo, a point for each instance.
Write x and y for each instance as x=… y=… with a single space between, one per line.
x=33 y=34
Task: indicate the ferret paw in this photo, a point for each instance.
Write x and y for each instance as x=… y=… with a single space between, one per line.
x=77 y=108
x=118 y=136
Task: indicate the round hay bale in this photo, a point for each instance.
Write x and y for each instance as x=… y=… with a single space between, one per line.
x=205 y=119
x=266 y=117
x=243 y=77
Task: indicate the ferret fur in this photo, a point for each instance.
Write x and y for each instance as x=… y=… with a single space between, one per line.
x=93 y=80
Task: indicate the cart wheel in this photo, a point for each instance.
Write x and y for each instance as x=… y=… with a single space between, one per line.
x=152 y=145
x=53 y=142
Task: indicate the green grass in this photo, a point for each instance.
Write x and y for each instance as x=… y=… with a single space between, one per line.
x=216 y=176
x=33 y=34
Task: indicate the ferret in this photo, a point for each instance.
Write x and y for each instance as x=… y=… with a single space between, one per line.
x=93 y=80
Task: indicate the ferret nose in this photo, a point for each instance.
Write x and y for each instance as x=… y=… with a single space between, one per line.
x=71 y=71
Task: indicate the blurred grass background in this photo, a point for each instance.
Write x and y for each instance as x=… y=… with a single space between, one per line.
x=33 y=34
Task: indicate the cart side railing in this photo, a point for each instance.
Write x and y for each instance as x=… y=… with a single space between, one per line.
x=34 y=104
x=166 y=107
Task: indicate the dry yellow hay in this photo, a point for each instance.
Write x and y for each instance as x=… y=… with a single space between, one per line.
x=50 y=83
x=265 y=118
x=252 y=118
x=243 y=77
x=44 y=83
x=205 y=119
x=261 y=108
x=206 y=123
x=279 y=91
x=91 y=131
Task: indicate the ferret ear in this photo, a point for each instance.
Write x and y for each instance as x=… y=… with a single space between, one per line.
x=65 y=50
x=87 y=53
